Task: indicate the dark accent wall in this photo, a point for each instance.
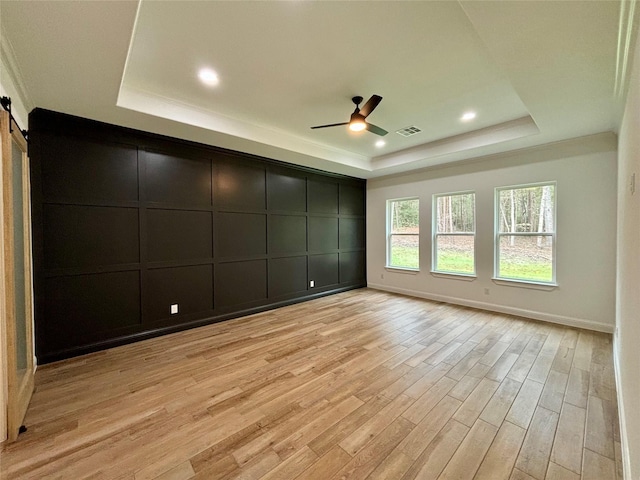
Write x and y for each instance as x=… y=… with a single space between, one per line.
x=127 y=223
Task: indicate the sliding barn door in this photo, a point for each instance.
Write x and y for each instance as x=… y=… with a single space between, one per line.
x=18 y=313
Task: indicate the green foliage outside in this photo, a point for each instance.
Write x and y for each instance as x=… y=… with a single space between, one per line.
x=463 y=263
x=455 y=213
x=404 y=214
x=527 y=209
x=406 y=257
x=454 y=262
x=535 y=271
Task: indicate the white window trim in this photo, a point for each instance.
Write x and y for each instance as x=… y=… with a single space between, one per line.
x=434 y=241
x=467 y=277
x=514 y=282
x=407 y=270
x=521 y=282
x=387 y=264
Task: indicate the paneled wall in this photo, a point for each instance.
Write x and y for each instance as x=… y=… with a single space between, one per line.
x=127 y=224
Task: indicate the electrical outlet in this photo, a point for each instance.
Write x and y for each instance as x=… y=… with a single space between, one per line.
x=486 y=291
x=174 y=309
x=312 y=283
x=382 y=276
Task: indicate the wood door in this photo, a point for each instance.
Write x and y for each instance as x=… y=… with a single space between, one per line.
x=18 y=312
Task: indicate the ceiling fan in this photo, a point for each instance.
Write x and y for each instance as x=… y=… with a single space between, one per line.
x=357 y=122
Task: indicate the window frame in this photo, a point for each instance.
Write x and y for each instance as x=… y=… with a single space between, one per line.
x=498 y=235
x=390 y=234
x=435 y=234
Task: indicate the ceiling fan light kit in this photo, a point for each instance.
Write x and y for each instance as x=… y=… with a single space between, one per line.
x=357 y=122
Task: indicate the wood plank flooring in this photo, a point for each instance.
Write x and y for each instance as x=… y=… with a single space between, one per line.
x=363 y=384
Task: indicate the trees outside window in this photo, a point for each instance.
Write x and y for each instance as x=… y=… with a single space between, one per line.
x=454 y=233
x=525 y=233
x=403 y=233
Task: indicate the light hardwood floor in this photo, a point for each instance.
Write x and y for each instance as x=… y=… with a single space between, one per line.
x=363 y=384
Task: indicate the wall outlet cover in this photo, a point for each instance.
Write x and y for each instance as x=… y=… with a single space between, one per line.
x=174 y=309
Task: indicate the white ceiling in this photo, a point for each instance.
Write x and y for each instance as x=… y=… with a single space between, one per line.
x=535 y=72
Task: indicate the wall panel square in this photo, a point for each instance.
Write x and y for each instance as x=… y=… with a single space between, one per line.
x=240 y=234
x=179 y=181
x=287 y=234
x=238 y=283
x=85 y=308
x=287 y=276
x=352 y=233
x=352 y=267
x=190 y=287
x=323 y=197
x=239 y=186
x=324 y=270
x=286 y=192
x=178 y=235
x=79 y=170
x=323 y=234
x=81 y=236
x=351 y=200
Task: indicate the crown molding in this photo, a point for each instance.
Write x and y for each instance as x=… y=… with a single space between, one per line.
x=626 y=32
x=151 y=103
x=8 y=57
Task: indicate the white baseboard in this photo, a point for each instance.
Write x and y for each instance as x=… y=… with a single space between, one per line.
x=521 y=312
x=624 y=439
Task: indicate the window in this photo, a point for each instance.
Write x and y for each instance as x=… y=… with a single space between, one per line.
x=525 y=237
x=454 y=233
x=403 y=233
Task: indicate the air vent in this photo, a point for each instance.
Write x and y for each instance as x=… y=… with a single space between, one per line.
x=408 y=131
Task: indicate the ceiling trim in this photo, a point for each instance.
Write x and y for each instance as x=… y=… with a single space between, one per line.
x=513 y=129
x=626 y=30
x=13 y=70
x=130 y=47
x=562 y=149
x=169 y=108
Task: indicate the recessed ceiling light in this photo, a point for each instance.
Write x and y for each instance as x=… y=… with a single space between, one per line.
x=380 y=143
x=468 y=116
x=208 y=77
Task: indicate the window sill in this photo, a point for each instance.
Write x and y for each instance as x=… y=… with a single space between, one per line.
x=409 y=271
x=548 y=287
x=467 y=277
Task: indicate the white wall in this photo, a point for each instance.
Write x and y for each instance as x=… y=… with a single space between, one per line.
x=627 y=338
x=585 y=172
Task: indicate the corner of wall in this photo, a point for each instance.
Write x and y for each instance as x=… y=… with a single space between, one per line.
x=622 y=413
x=627 y=331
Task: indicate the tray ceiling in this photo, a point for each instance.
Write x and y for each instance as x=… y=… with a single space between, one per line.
x=533 y=72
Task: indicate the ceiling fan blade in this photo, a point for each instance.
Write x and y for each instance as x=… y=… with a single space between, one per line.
x=370 y=106
x=377 y=130
x=330 y=125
